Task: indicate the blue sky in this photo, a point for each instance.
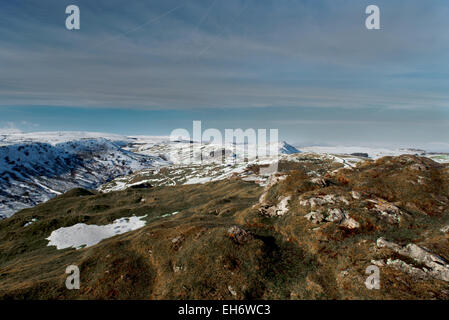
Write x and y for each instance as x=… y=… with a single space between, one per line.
x=307 y=67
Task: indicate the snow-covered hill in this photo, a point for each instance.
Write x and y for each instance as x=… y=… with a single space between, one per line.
x=194 y=163
x=55 y=137
x=35 y=168
x=190 y=152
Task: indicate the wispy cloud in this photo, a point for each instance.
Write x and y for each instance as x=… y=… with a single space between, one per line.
x=156 y=65
x=225 y=54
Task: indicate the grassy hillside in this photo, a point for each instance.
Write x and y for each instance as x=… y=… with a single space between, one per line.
x=232 y=239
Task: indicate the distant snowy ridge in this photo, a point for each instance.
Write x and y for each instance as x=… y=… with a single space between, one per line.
x=285 y=148
x=56 y=137
x=375 y=152
x=184 y=152
x=372 y=152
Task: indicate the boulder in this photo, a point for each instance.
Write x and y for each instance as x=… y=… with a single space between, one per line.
x=438 y=267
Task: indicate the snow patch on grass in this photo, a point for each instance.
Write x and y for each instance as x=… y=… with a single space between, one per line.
x=30 y=222
x=82 y=235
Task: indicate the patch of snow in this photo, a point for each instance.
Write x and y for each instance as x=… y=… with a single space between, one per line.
x=197 y=180
x=30 y=222
x=169 y=214
x=83 y=235
x=373 y=152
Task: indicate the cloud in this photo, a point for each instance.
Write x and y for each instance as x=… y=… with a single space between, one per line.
x=227 y=54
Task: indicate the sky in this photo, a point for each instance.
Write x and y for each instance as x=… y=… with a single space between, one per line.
x=309 y=68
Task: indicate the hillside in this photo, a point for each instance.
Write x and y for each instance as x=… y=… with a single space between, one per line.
x=36 y=169
x=307 y=232
x=217 y=163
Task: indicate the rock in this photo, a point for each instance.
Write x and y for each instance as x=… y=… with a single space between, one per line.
x=319 y=181
x=177 y=239
x=315 y=202
x=335 y=215
x=282 y=207
x=278 y=210
x=382 y=243
x=408 y=269
x=344 y=273
x=272 y=181
x=350 y=223
x=315 y=217
x=439 y=267
x=238 y=235
x=177 y=242
x=356 y=195
x=322 y=200
x=445 y=229
x=421 y=180
x=388 y=211
x=267 y=209
x=379 y=263
x=177 y=269
x=418 y=167
x=232 y=291
x=343 y=199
